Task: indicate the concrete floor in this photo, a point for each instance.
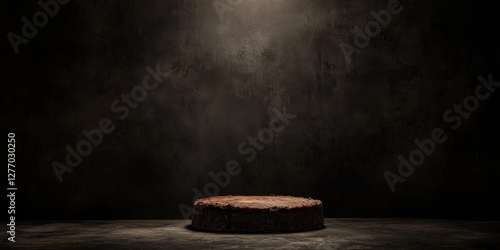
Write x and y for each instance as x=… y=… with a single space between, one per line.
x=338 y=234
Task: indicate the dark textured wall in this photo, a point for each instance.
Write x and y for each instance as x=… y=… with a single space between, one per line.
x=225 y=78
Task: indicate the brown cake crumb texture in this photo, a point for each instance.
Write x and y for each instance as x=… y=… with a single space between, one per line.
x=257 y=214
x=258 y=202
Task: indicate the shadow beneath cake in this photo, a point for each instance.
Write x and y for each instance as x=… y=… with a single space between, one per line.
x=191 y=228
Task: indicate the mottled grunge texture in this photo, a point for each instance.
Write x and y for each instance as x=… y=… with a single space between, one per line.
x=353 y=119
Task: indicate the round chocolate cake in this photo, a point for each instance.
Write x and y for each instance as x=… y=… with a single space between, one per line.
x=255 y=214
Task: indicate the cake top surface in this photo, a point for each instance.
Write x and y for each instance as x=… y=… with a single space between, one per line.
x=258 y=202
